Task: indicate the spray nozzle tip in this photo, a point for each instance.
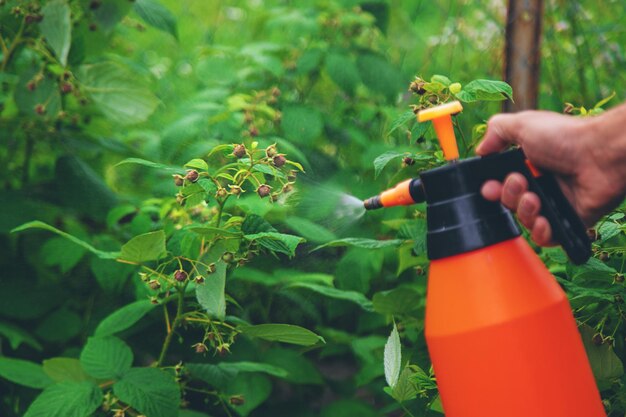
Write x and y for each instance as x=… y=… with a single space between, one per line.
x=373 y=203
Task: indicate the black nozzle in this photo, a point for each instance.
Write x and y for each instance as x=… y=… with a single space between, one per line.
x=373 y=203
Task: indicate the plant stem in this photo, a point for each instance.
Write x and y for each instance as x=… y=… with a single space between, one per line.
x=177 y=319
x=406 y=409
x=9 y=52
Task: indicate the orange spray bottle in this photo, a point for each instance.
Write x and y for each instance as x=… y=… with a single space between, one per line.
x=499 y=328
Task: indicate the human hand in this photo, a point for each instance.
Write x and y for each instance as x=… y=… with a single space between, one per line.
x=573 y=150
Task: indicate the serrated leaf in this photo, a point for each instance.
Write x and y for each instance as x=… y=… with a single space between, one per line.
x=485 y=90
x=65 y=369
x=254 y=223
x=150 y=391
x=156 y=15
x=197 y=164
x=41 y=225
x=397 y=301
x=212 y=374
x=401 y=120
x=381 y=161
x=353 y=296
x=286 y=333
x=393 y=358
x=106 y=357
x=210 y=294
x=144 y=248
x=147 y=163
x=66 y=399
x=24 y=373
x=362 y=243
x=118 y=93
x=56 y=27
x=124 y=318
x=605 y=364
x=276 y=242
x=343 y=71
x=253 y=367
x=404 y=390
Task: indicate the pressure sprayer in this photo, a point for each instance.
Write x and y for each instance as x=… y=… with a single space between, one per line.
x=499 y=328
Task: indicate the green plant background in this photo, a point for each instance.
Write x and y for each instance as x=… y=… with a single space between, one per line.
x=167 y=82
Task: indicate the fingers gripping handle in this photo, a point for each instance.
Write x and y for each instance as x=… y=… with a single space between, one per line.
x=567 y=228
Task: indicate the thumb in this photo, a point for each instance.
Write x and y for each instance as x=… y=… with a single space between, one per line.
x=502 y=130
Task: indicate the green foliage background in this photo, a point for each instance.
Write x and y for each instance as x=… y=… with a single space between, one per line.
x=168 y=81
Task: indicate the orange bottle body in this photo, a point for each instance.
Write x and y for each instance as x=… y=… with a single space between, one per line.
x=503 y=340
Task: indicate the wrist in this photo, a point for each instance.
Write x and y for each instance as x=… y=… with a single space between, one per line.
x=605 y=141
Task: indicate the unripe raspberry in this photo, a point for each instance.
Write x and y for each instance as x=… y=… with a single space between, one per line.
x=291 y=176
x=211 y=269
x=253 y=131
x=408 y=161
x=237 y=400
x=223 y=349
x=597 y=339
x=568 y=109
x=417 y=86
x=619 y=278
x=263 y=190
x=40 y=109
x=180 y=198
x=228 y=257
x=239 y=151
x=279 y=161
x=221 y=192
x=154 y=300
x=287 y=188
x=31 y=85
x=180 y=275
x=455 y=88
x=192 y=175
x=604 y=256
x=179 y=180
x=154 y=284
x=433 y=99
x=593 y=234
x=200 y=348
x=66 y=88
x=235 y=189
x=199 y=279
x=271 y=151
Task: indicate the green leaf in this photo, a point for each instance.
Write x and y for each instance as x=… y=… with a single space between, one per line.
x=401 y=120
x=65 y=369
x=485 y=90
x=608 y=230
x=393 y=358
x=276 y=242
x=67 y=399
x=106 y=357
x=150 y=391
x=404 y=390
x=286 y=333
x=146 y=163
x=254 y=388
x=302 y=124
x=299 y=369
x=61 y=252
x=210 y=294
x=605 y=364
x=442 y=79
x=362 y=243
x=145 y=247
x=255 y=224
x=17 y=336
x=119 y=94
x=56 y=27
x=343 y=71
x=24 y=373
x=353 y=296
x=60 y=326
x=379 y=75
x=265 y=368
x=197 y=163
x=124 y=318
x=41 y=225
x=381 y=161
x=349 y=408
x=397 y=301
x=156 y=15
x=214 y=375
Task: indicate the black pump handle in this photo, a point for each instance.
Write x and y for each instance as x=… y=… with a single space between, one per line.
x=567 y=228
